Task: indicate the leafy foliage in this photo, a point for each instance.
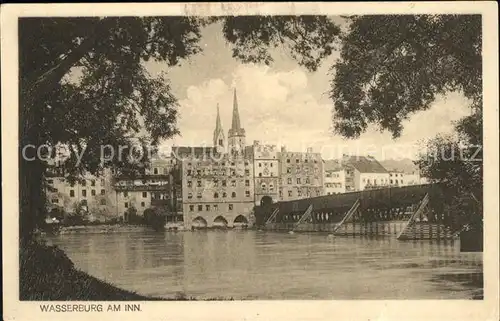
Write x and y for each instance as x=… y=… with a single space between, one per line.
x=393 y=66
x=309 y=39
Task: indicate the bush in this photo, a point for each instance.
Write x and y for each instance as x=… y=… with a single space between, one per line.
x=156 y=218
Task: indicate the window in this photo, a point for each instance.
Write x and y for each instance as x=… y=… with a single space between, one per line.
x=155 y=171
x=72 y=193
x=191 y=208
x=260 y=174
x=190 y=195
x=103 y=201
x=224 y=183
x=299 y=193
x=247 y=193
x=289 y=170
x=263 y=185
x=84 y=193
x=190 y=184
x=102 y=181
x=288 y=160
x=84 y=202
x=165 y=171
x=103 y=192
x=247 y=172
x=281 y=193
x=246 y=163
x=216 y=207
x=233 y=172
x=84 y=183
x=198 y=172
x=216 y=195
x=297 y=161
x=126 y=204
x=233 y=183
x=289 y=181
x=271 y=164
x=198 y=183
x=55 y=200
x=289 y=193
x=230 y=207
x=260 y=165
x=189 y=172
x=200 y=208
x=56 y=190
x=224 y=195
x=271 y=187
x=232 y=164
x=392 y=182
x=198 y=195
x=307 y=180
x=144 y=194
x=233 y=194
x=298 y=180
x=50 y=181
x=207 y=208
x=92 y=192
x=92 y=182
x=247 y=182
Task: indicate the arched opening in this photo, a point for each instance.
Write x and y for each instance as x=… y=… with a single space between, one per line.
x=199 y=222
x=266 y=201
x=220 y=221
x=240 y=221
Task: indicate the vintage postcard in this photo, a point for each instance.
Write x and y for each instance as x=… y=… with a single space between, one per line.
x=250 y=161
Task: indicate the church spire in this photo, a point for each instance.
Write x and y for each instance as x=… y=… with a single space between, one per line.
x=218 y=139
x=235 y=125
x=236 y=135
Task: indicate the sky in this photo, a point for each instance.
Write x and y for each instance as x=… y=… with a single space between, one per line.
x=284 y=104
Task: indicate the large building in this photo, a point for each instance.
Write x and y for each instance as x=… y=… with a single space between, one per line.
x=266 y=171
x=335 y=177
x=301 y=175
x=364 y=172
x=218 y=187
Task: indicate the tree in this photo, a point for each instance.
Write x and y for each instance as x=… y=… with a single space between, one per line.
x=394 y=66
x=83 y=84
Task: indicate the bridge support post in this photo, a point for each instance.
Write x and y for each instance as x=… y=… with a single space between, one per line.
x=304 y=217
x=348 y=217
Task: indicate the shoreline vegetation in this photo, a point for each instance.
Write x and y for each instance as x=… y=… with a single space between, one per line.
x=46 y=273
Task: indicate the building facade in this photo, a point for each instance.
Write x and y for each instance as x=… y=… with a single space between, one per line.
x=364 y=172
x=301 y=175
x=266 y=171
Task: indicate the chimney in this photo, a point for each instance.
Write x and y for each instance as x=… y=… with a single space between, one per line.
x=309 y=150
x=283 y=149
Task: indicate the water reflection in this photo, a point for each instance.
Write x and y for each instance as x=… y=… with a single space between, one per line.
x=263 y=265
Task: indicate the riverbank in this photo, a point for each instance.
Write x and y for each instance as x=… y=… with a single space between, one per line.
x=47 y=274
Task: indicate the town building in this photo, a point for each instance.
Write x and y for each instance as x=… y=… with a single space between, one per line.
x=335 y=177
x=95 y=195
x=364 y=172
x=266 y=171
x=301 y=175
x=217 y=187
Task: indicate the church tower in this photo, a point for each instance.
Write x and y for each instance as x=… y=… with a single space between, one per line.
x=236 y=135
x=219 y=138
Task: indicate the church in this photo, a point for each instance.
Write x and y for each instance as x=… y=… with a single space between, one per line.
x=217 y=182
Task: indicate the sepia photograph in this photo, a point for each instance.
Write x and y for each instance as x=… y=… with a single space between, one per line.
x=246 y=157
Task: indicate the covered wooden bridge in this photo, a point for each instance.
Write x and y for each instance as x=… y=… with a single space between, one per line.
x=410 y=212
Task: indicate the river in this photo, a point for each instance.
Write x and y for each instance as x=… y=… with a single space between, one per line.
x=267 y=265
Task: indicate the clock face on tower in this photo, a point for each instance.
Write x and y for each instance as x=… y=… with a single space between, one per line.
x=266 y=171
